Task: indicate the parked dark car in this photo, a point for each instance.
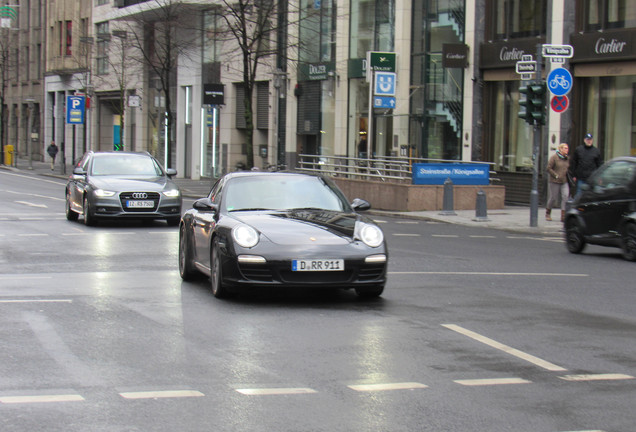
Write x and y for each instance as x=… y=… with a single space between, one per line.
x=115 y=185
x=269 y=229
x=605 y=212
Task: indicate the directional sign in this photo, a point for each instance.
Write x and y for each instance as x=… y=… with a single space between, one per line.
x=559 y=103
x=381 y=61
x=564 y=51
x=524 y=67
x=384 y=84
x=559 y=81
x=75 y=108
x=383 y=102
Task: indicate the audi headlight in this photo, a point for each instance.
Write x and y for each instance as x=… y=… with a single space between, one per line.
x=103 y=193
x=172 y=193
x=245 y=236
x=371 y=235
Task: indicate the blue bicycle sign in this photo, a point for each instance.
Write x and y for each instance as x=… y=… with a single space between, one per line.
x=559 y=81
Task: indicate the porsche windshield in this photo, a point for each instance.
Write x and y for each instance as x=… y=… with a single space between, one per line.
x=282 y=192
x=125 y=165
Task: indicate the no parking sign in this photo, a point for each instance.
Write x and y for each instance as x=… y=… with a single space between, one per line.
x=559 y=103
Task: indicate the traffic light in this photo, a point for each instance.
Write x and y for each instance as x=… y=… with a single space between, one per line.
x=525 y=109
x=537 y=102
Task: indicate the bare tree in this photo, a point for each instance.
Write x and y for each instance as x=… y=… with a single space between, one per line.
x=250 y=24
x=161 y=35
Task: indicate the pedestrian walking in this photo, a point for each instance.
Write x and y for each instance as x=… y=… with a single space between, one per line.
x=558 y=186
x=584 y=160
x=52 y=151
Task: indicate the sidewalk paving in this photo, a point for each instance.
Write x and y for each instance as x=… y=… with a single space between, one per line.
x=510 y=218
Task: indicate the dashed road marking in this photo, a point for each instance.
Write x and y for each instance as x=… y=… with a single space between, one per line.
x=596 y=377
x=41 y=398
x=445 y=235
x=406 y=235
x=482 y=236
x=276 y=391
x=387 y=386
x=37 y=301
x=491 y=273
x=492 y=381
x=161 y=394
x=505 y=348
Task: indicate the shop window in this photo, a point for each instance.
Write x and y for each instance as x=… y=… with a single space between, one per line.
x=605 y=14
x=518 y=18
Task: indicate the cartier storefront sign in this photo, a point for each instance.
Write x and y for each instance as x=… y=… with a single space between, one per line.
x=506 y=54
x=603 y=46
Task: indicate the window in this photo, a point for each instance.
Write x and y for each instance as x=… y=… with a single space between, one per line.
x=69 y=38
x=262 y=105
x=604 y=14
x=101 y=58
x=518 y=18
x=372 y=27
x=240 y=106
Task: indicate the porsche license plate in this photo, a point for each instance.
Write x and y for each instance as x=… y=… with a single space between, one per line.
x=140 y=204
x=318 y=265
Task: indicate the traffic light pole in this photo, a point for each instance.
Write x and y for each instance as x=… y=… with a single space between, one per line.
x=536 y=136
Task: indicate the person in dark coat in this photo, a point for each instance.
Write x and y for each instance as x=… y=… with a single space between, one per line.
x=584 y=161
x=52 y=151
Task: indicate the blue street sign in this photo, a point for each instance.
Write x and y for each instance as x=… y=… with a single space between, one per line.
x=384 y=84
x=383 y=102
x=559 y=81
x=75 y=109
x=459 y=173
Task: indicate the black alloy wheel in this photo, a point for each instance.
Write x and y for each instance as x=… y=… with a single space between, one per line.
x=89 y=217
x=70 y=214
x=574 y=240
x=186 y=267
x=216 y=276
x=629 y=242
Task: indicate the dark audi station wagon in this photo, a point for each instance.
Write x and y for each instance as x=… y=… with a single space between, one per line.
x=604 y=213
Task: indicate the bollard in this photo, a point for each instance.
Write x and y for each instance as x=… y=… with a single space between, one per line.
x=481 y=211
x=448 y=199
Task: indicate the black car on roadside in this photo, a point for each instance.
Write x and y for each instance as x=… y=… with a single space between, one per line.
x=604 y=211
x=122 y=185
x=261 y=230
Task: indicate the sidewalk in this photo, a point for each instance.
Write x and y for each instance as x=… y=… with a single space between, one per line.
x=510 y=218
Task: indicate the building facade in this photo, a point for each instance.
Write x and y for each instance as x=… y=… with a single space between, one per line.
x=455 y=95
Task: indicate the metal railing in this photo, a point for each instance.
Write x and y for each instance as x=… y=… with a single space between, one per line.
x=385 y=169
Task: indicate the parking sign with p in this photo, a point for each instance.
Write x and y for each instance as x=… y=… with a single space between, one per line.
x=75 y=109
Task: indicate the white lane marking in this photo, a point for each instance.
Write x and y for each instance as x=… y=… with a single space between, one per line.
x=505 y=348
x=406 y=235
x=37 y=301
x=492 y=381
x=30 y=204
x=41 y=398
x=387 y=386
x=58 y=183
x=492 y=273
x=161 y=394
x=596 y=377
x=276 y=391
x=595 y=430
x=445 y=235
x=17 y=277
x=482 y=236
x=75 y=234
x=33 y=235
x=407 y=222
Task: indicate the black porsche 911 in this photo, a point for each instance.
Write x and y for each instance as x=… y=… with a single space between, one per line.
x=268 y=229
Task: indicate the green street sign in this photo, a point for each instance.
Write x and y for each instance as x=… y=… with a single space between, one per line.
x=382 y=61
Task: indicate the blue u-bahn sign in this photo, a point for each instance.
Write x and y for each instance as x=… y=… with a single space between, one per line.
x=459 y=173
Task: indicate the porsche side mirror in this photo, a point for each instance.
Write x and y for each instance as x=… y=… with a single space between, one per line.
x=205 y=205
x=359 y=204
x=171 y=172
x=78 y=171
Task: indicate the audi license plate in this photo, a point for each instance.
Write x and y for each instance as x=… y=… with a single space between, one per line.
x=140 y=204
x=318 y=265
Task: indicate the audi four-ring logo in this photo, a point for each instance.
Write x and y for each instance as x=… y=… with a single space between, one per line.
x=140 y=195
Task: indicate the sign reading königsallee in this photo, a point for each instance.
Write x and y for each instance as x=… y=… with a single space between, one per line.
x=459 y=173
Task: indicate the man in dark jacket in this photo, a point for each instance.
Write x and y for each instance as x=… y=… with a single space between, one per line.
x=584 y=161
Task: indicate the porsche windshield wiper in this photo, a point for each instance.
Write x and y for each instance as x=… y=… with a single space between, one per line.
x=249 y=209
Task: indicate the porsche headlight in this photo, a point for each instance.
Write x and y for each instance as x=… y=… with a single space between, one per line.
x=104 y=193
x=172 y=193
x=371 y=235
x=245 y=236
